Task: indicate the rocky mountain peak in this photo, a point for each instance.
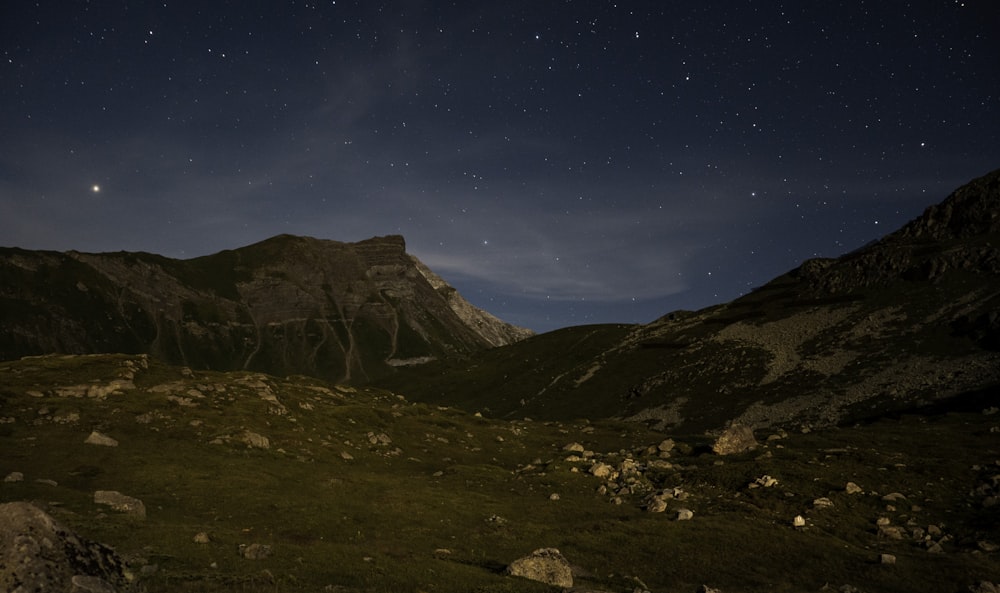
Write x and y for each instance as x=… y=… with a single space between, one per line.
x=288 y=304
x=955 y=234
x=971 y=210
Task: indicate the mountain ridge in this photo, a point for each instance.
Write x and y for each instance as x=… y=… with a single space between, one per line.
x=908 y=320
x=285 y=305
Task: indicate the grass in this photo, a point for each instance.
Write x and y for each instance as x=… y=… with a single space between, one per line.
x=454 y=498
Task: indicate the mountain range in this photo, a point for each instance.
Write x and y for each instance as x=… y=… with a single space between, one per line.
x=834 y=430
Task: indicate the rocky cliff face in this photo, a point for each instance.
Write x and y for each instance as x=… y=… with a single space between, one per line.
x=496 y=331
x=287 y=305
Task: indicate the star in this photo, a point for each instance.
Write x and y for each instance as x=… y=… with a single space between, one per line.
x=95 y=189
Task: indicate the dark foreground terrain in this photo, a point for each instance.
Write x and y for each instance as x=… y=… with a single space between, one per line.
x=248 y=482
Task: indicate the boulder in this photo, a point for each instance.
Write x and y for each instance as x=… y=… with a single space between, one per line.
x=37 y=553
x=735 y=439
x=545 y=565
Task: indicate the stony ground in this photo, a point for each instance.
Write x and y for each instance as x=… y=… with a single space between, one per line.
x=246 y=482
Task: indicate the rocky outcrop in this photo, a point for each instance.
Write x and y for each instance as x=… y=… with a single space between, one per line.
x=287 y=305
x=37 y=553
x=943 y=238
x=493 y=329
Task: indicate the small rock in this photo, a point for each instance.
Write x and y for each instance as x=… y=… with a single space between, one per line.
x=891 y=532
x=666 y=445
x=602 y=470
x=853 y=488
x=89 y=584
x=102 y=440
x=573 y=448
x=822 y=503
x=934 y=530
x=935 y=548
x=984 y=587
x=765 y=481
x=987 y=546
x=202 y=538
x=656 y=504
x=545 y=565
x=799 y=521
x=256 y=441
x=554 y=496
x=685 y=514
x=121 y=503
x=887 y=559
x=735 y=439
x=893 y=497
x=14 y=477
x=255 y=551
x=379 y=439
x=346 y=456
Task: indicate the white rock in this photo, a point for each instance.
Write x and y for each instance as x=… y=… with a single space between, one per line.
x=799 y=521
x=602 y=470
x=685 y=514
x=822 y=503
x=102 y=440
x=853 y=488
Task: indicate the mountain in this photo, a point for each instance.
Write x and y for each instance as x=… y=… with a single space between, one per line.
x=906 y=321
x=859 y=396
x=287 y=305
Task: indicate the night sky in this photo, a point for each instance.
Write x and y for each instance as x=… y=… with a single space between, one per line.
x=558 y=162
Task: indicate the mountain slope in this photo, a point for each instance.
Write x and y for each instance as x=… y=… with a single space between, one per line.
x=344 y=311
x=905 y=321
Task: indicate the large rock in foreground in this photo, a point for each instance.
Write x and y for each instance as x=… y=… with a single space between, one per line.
x=545 y=565
x=39 y=554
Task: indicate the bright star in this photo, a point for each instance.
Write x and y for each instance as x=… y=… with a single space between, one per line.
x=95 y=188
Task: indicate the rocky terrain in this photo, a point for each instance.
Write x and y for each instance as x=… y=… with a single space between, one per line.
x=342 y=311
x=240 y=481
x=903 y=322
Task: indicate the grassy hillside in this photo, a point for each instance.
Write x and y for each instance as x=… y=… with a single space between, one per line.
x=364 y=490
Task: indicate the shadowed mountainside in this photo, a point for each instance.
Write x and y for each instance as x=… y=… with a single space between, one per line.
x=907 y=320
x=287 y=305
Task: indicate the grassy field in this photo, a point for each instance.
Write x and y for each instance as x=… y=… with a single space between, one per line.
x=363 y=490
